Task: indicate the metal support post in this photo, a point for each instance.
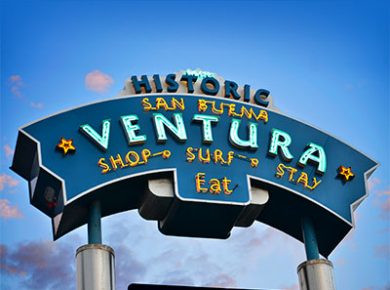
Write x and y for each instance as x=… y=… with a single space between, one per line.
x=310 y=239
x=315 y=273
x=95 y=263
x=95 y=267
x=94 y=224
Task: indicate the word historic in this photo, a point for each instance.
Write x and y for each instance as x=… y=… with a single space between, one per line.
x=209 y=85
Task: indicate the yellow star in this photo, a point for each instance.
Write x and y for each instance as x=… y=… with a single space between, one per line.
x=346 y=173
x=66 y=145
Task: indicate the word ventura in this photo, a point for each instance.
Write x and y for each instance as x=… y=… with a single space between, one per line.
x=278 y=145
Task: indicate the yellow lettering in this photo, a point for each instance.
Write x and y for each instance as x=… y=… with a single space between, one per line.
x=147 y=106
x=160 y=102
x=230 y=157
x=215 y=110
x=103 y=165
x=215 y=186
x=315 y=184
x=190 y=156
x=134 y=162
x=248 y=113
x=292 y=172
x=145 y=153
x=303 y=179
x=177 y=104
x=218 y=157
x=254 y=162
x=280 y=170
x=166 y=154
x=231 y=111
x=204 y=159
x=116 y=162
x=202 y=105
x=225 y=184
x=263 y=116
x=199 y=181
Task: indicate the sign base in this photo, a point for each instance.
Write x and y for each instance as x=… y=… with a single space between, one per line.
x=95 y=266
x=316 y=275
x=136 y=286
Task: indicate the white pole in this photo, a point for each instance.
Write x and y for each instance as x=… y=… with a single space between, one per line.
x=95 y=262
x=316 y=275
x=95 y=265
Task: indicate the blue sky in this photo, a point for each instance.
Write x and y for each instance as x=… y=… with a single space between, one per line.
x=325 y=62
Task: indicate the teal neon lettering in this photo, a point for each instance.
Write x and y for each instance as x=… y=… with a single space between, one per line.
x=206 y=126
x=316 y=154
x=100 y=140
x=280 y=140
x=235 y=140
x=131 y=130
x=178 y=130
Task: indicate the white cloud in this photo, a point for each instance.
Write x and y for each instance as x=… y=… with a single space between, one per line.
x=9 y=211
x=7 y=180
x=8 y=151
x=16 y=85
x=36 y=105
x=98 y=81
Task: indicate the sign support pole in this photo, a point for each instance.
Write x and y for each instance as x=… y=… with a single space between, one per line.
x=310 y=239
x=94 y=223
x=315 y=273
x=95 y=262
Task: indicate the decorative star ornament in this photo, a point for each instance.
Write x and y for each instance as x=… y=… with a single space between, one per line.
x=66 y=145
x=346 y=173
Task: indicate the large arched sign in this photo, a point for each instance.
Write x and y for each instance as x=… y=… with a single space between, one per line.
x=196 y=163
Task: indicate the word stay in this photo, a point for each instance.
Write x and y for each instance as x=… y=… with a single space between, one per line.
x=303 y=178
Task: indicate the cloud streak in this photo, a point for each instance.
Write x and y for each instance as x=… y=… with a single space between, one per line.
x=372 y=183
x=128 y=267
x=385 y=207
x=98 y=81
x=9 y=211
x=39 y=265
x=175 y=261
x=143 y=255
x=381 y=197
x=5 y=266
x=8 y=151
x=382 y=251
x=36 y=105
x=16 y=84
x=7 y=181
x=290 y=287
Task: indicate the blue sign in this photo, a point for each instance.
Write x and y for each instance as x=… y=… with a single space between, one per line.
x=217 y=152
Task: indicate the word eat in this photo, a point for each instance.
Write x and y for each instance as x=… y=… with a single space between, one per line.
x=216 y=185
